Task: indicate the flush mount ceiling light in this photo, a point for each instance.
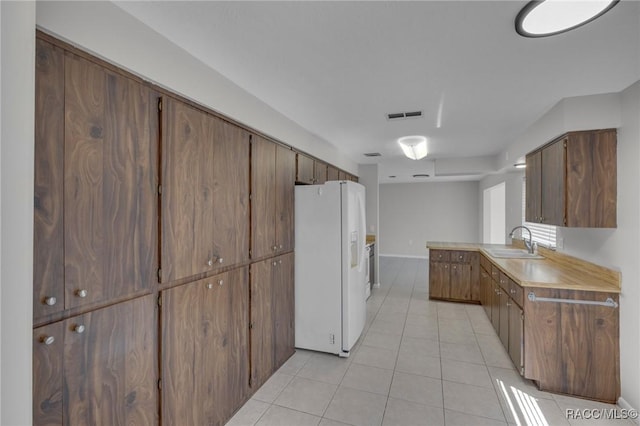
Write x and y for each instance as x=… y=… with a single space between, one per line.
x=549 y=17
x=414 y=147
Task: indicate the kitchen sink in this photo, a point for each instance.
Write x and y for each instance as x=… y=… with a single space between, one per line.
x=512 y=254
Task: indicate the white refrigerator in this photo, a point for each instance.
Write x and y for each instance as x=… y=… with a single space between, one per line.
x=330 y=266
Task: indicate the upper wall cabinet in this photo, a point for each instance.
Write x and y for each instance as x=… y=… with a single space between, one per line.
x=572 y=181
x=332 y=173
x=205 y=192
x=95 y=159
x=319 y=172
x=305 y=169
x=272 y=181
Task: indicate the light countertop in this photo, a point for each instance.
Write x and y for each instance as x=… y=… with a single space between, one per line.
x=556 y=270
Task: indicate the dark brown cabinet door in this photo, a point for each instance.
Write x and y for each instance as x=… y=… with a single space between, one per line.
x=516 y=332
x=553 y=183
x=205 y=187
x=205 y=349
x=110 y=365
x=283 y=308
x=110 y=201
x=460 y=284
x=262 y=330
x=48 y=219
x=305 y=172
x=263 y=197
x=439 y=280
x=319 y=173
x=48 y=350
x=533 y=187
x=342 y=175
x=505 y=301
x=332 y=173
x=284 y=193
x=485 y=292
x=495 y=306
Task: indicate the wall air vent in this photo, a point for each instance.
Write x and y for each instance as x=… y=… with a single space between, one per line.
x=372 y=154
x=403 y=115
x=421 y=175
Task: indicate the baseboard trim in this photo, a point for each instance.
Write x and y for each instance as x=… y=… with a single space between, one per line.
x=404 y=255
x=626 y=406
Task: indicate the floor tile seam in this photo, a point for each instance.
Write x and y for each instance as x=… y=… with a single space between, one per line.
x=296 y=410
x=470 y=384
x=476 y=415
x=366 y=391
x=413 y=401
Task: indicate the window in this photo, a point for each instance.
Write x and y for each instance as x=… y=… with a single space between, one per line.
x=544 y=235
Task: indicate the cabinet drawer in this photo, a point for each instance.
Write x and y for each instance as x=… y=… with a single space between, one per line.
x=439 y=255
x=504 y=282
x=495 y=273
x=516 y=292
x=485 y=263
x=460 y=256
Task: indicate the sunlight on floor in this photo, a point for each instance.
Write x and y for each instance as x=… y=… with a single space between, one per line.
x=528 y=406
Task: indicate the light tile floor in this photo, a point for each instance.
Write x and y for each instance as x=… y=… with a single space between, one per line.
x=418 y=362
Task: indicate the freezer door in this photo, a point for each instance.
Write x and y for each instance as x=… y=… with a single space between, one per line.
x=354 y=264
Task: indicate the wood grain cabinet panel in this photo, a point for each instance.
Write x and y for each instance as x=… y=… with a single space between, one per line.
x=332 y=173
x=48 y=218
x=305 y=171
x=284 y=308
x=272 y=212
x=48 y=351
x=460 y=281
x=454 y=275
x=319 y=172
x=439 y=280
x=205 y=187
x=205 y=349
x=272 y=316
x=515 y=347
x=572 y=181
x=110 y=175
x=100 y=367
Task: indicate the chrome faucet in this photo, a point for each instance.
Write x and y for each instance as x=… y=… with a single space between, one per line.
x=528 y=244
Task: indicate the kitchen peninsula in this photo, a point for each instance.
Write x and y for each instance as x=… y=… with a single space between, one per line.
x=557 y=316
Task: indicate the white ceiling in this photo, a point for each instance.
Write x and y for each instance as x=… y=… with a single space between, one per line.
x=338 y=67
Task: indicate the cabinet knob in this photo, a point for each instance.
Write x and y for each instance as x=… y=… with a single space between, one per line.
x=279 y=262
x=48 y=340
x=275 y=248
x=220 y=260
x=220 y=282
x=513 y=291
x=209 y=286
x=508 y=304
x=51 y=300
x=210 y=262
x=274 y=263
x=79 y=328
x=281 y=246
x=460 y=257
x=81 y=293
x=446 y=266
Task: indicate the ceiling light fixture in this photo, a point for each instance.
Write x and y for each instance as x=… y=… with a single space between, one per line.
x=549 y=17
x=414 y=147
x=520 y=165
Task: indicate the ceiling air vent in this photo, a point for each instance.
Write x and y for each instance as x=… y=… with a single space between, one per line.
x=372 y=154
x=403 y=115
x=421 y=175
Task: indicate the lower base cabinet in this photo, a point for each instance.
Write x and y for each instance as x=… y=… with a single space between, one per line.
x=98 y=368
x=454 y=275
x=205 y=350
x=272 y=316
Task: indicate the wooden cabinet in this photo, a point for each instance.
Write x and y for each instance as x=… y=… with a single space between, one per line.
x=272 y=183
x=515 y=346
x=572 y=181
x=573 y=348
x=342 y=175
x=95 y=205
x=319 y=173
x=205 y=350
x=98 y=368
x=454 y=275
x=305 y=169
x=486 y=288
x=332 y=173
x=272 y=316
x=205 y=187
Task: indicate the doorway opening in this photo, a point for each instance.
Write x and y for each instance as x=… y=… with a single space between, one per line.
x=494 y=216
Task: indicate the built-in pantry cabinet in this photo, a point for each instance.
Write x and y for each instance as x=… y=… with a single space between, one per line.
x=163 y=250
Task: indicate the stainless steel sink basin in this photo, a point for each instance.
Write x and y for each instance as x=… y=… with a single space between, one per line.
x=512 y=254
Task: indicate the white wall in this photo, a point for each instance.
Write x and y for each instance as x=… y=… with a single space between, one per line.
x=109 y=32
x=16 y=202
x=513 y=199
x=413 y=213
x=368 y=175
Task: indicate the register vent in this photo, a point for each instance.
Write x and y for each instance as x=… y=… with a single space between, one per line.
x=403 y=115
x=372 y=154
